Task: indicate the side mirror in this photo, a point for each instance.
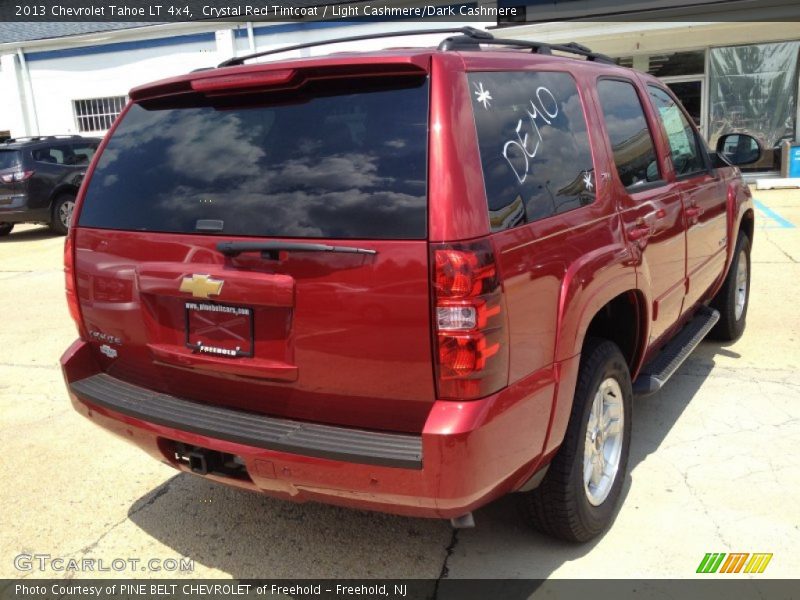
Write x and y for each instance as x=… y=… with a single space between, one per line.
x=739 y=148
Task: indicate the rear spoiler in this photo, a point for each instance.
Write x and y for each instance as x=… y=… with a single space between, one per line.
x=277 y=77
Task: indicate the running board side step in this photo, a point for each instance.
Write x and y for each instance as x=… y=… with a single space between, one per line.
x=656 y=373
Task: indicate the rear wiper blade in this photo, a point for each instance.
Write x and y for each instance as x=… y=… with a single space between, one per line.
x=271 y=249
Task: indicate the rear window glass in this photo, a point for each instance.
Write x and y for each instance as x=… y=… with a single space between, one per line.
x=534 y=147
x=8 y=159
x=343 y=166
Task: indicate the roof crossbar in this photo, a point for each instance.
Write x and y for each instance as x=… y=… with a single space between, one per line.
x=470 y=39
x=466 y=42
x=39 y=138
x=469 y=32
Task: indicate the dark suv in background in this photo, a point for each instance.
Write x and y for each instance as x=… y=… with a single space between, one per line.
x=39 y=179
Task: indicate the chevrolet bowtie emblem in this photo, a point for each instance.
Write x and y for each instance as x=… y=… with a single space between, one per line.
x=201 y=286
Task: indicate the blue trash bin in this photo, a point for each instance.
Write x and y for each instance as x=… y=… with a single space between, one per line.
x=794 y=160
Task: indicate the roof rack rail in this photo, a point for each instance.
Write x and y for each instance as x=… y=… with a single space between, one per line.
x=39 y=138
x=470 y=43
x=26 y=138
x=470 y=39
x=470 y=32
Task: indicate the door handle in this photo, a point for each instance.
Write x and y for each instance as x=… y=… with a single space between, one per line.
x=693 y=211
x=639 y=232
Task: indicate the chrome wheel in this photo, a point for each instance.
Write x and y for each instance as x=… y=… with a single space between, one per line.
x=741 y=285
x=603 y=443
x=65 y=212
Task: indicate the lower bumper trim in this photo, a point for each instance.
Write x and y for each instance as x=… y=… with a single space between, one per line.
x=308 y=439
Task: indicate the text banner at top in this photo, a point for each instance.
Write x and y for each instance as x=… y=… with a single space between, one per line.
x=499 y=11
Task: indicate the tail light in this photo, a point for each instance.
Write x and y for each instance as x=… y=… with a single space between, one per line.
x=70 y=281
x=16 y=176
x=470 y=319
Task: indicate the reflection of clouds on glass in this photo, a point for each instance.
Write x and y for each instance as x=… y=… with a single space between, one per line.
x=304 y=194
x=289 y=170
x=338 y=172
x=234 y=152
x=562 y=154
x=298 y=213
x=621 y=129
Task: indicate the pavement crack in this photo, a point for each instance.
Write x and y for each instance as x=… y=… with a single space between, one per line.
x=155 y=495
x=445 y=571
x=704 y=508
x=29 y=366
x=781 y=250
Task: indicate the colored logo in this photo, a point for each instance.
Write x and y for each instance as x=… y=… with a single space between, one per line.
x=201 y=286
x=741 y=562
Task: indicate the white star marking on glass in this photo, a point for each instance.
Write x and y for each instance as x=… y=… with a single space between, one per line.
x=483 y=95
x=587 y=180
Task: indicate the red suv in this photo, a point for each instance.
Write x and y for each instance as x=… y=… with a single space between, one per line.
x=411 y=281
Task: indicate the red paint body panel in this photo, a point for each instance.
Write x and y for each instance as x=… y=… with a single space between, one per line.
x=474 y=451
x=348 y=339
x=356 y=328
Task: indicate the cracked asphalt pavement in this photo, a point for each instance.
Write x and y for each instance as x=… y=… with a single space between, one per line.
x=713 y=467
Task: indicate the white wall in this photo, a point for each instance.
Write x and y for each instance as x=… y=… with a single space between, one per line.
x=11 y=97
x=58 y=80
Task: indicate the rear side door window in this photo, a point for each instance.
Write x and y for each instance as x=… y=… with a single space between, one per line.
x=533 y=143
x=683 y=144
x=55 y=155
x=630 y=137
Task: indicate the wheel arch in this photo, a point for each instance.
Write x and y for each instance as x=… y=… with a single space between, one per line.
x=747 y=223
x=64 y=188
x=618 y=297
x=622 y=320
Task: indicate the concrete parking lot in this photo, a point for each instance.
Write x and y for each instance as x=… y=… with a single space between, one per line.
x=714 y=465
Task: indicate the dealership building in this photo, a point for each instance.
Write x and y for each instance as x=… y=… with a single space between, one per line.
x=732 y=75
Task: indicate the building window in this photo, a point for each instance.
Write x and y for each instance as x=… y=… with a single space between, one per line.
x=669 y=64
x=97 y=114
x=753 y=89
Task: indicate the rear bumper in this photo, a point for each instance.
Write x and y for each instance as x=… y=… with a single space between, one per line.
x=14 y=209
x=467 y=454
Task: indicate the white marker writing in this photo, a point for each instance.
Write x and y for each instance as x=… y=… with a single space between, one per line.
x=514 y=149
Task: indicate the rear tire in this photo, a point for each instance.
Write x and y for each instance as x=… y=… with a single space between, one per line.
x=62 y=213
x=578 y=497
x=5 y=229
x=733 y=298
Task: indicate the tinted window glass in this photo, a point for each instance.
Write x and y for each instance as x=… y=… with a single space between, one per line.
x=56 y=155
x=8 y=159
x=533 y=143
x=82 y=153
x=631 y=141
x=685 y=151
x=344 y=166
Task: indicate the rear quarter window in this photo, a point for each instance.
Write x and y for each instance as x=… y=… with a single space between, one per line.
x=533 y=143
x=82 y=153
x=350 y=165
x=9 y=159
